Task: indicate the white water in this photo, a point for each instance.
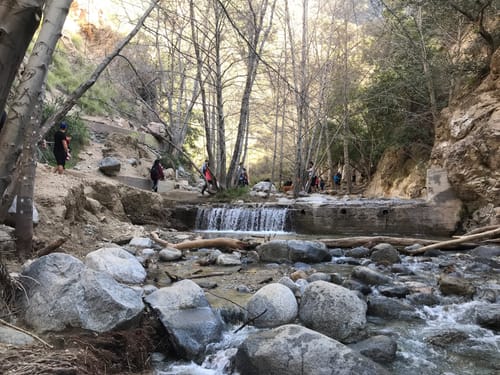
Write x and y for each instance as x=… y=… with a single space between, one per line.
x=242 y=219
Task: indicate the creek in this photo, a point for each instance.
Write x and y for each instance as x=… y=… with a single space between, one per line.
x=444 y=339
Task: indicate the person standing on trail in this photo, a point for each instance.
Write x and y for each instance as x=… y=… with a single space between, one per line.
x=156 y=174
x=61 y=148
x=207 y=174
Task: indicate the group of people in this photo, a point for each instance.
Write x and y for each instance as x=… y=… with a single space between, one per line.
x=315 y=183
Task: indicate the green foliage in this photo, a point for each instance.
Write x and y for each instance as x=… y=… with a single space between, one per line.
x=76 y=130
x=228 y=195
x=67 y=72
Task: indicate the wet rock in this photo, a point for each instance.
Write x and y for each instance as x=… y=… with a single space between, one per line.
x=143 y=242
x=61 y=292
x=332 y=310
x=233 y=259
x=296 y=350
x=336 y=252
x=398 y=291
x=169 y=254
x=380 y=348
x=284 y=251
x=450 y=285
x=358 y=252
x=384 y=253
x=308 y=251
x=369 y=276
x=120 y=264
x=356 y=286
x=390 y=308
x=298 y=275
x=447 y=338
x=487 y=251
x=401 y=269
x=318 y=276
x=186 y=314
x=488 y=316
x=277 y=303
x=423 y=299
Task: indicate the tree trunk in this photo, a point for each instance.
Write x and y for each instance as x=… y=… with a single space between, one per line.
x=19 y=20
x=28 y=107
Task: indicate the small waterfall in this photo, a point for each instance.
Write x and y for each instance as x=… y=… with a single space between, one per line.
x=242 y=219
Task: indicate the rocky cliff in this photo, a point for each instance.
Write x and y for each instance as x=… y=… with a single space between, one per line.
x=467 y=146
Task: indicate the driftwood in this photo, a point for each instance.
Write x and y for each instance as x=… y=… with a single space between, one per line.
x=220 y=242
x=482 y=235
x=371 y=241
x=51 y=247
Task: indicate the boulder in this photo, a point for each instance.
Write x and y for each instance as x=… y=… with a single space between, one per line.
x=384 y=253
x=296 y=350
x=391 y=308
x=274 y=304
x=119 y=263
x=369 y=276
x=380 y=348
x=169 y=254
x=187 y=316
x=61 y=292
x=332 y=310
x=282 y=251
x=110 y=166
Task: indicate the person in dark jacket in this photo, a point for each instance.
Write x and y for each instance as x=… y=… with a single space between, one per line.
x=156 y=173
x=61 y=148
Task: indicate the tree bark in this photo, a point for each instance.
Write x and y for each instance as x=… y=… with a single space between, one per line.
x=222 y=242
x=19 y=20
x=28 y=107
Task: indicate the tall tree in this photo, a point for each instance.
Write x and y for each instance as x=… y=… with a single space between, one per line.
x=27 y=106
x=19 y=20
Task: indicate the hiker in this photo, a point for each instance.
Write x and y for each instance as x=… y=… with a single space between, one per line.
x=242 y=175
x=337 y=178
x=207 y=173
x=61 y=148
x=312 y=178
x=156 y=174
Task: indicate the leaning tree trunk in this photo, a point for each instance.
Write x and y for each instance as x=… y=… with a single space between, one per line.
x=19 y=20
x=28 y=107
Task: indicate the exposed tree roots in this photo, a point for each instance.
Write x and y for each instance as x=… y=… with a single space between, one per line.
x=82 y=353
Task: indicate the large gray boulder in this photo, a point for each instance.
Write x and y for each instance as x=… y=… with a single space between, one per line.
x=278 y=302
x=119 y=263
x=282 y=251
x=187 y=316
x=110 y=166
x=333 y=310
x=61 y=292
x=296 y=350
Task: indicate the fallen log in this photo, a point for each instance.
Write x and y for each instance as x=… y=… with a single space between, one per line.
x=51 y=247
x=481 y=230
x=374 y=240
x=220 y=243
x=447 y=244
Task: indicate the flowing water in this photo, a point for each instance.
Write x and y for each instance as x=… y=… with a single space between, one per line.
x=237 y=219
x=475 y=352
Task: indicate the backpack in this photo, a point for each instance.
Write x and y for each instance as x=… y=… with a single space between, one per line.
x=154 y=173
